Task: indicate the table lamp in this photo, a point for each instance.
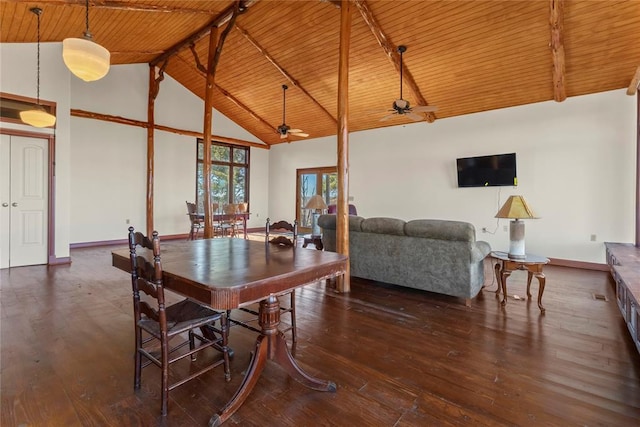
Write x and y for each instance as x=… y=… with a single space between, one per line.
x=516 y=208
x=318 y=205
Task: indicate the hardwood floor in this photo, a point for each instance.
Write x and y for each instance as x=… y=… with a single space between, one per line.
x=400 y=357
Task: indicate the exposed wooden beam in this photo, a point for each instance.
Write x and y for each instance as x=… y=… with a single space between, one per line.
x=556 y=22
x=213 y=58
x=282 y=71
x=212 y=62
x=154 y=89
x=635 y=81
x=130 y=122
x=343 y=283
x=637 y=215
x=218 y=21
x=118 y=5
x=233 y=99
x=335 y=3
x=392 y=54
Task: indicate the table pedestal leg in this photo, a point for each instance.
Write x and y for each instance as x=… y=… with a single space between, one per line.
x=270 y=345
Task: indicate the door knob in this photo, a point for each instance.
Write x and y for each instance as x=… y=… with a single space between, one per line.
x=5 y=204
x=14 y=204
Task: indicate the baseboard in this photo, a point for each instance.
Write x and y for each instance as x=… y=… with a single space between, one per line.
x=59 y=261
x=578 y=264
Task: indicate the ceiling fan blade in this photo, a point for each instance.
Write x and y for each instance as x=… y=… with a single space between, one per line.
x=415 y=117
x=300 y=134
x=424 y=109
x=387 y=117
x=295 y=130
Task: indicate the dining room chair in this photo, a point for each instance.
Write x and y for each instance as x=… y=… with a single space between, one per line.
x=163 y=331
x=285 y=234
x=197 y=222
x=230 y=223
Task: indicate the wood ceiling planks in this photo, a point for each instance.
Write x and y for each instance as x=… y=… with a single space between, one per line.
x=465 y=56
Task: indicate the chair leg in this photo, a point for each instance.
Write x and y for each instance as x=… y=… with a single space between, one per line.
x=293 y=316
x=224 y=328
x=164 y=399
x=138 y=360
x=192 y=345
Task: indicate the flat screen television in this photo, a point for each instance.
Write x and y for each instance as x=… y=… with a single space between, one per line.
x=487 y=171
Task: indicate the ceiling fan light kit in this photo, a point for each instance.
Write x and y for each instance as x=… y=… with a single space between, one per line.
x=85 y=58
x=284 y=130
x=401 y=106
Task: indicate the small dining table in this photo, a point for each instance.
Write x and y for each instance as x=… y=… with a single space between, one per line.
x=228 y=273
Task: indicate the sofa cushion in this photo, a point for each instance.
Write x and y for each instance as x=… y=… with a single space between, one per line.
x=393 y=226
x=329 y=222
x=441 y=230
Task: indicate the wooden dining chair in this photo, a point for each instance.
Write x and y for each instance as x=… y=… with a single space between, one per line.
x=230 y=223
x=197 y=223
x=281 y=233
x=157 y=324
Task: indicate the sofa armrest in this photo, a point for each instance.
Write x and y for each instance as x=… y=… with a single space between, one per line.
x=479 y=251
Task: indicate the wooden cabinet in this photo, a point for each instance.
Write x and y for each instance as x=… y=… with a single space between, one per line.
x=624 y=262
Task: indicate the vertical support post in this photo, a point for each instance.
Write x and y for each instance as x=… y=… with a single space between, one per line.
x=206 y=139
x=153 y=92
x=637 y=169
x=342 y=226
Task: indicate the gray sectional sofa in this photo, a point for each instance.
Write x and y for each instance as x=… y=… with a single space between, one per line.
x=433 y=255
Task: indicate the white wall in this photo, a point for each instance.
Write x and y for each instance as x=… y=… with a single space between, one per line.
x=18 y=64
x=122 y=169
x=575 y=160
x=101 y=166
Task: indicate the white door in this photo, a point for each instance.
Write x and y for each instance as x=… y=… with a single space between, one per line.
x=23 y=201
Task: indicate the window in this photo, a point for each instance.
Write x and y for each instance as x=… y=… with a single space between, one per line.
x=309 y=182
x=229 y=174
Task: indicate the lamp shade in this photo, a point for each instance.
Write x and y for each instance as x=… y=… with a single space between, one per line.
x=316 y=202
x=37 y=117
x=85 y=58
x=516 y=208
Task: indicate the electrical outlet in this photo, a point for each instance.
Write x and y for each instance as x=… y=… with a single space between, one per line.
x=127 y=221
x=593 y=237
x=504 y=228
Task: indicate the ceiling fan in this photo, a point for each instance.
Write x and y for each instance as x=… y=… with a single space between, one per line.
x=401 y=106
x=284 y=130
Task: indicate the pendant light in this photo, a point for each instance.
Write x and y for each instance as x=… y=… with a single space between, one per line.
x=84 y=57
x=37 y=116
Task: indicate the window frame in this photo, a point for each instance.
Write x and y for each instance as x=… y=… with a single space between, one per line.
x=231 y=164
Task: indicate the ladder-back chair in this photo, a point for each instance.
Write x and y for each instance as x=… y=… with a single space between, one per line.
x=281 y=233
x=157 y=324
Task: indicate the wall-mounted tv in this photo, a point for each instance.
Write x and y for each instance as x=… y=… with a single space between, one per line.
x=487 y=171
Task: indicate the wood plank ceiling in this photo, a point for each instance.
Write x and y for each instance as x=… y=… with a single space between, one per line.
x=462 y=56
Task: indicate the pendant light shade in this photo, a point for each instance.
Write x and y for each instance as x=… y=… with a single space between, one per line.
x=85 y=58
x=37 y=116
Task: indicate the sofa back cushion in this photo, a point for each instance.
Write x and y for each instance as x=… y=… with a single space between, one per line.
x=391 y=226
x=329 y=222
x=441 y=230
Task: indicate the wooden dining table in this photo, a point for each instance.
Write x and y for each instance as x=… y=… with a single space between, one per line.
x=228 y=273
